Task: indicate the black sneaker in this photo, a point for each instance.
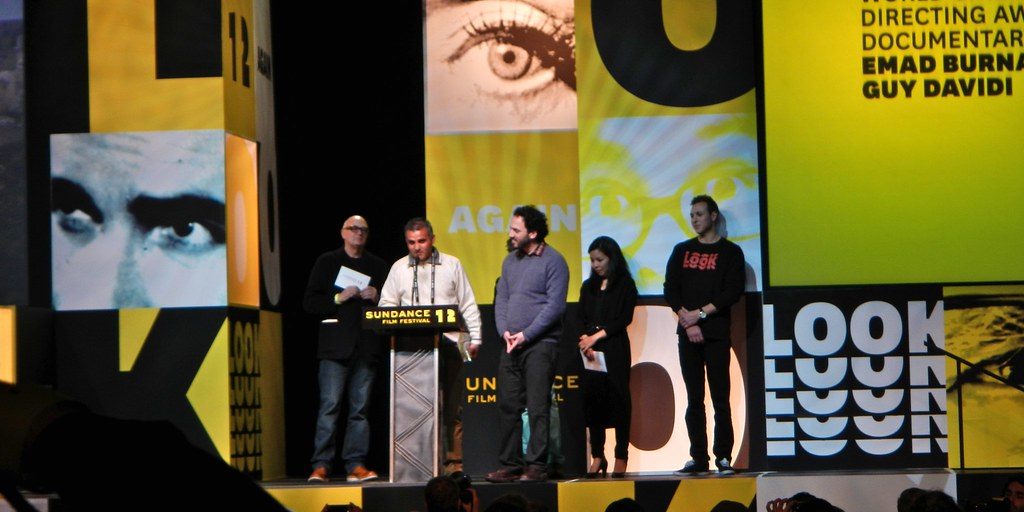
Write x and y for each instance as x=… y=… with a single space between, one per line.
x=692 y=468
x=724 y=467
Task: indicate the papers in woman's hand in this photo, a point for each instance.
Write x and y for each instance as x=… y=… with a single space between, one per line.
x=597 y=364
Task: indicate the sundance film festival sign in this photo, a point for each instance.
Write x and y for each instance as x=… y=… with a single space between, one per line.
x=849 y=383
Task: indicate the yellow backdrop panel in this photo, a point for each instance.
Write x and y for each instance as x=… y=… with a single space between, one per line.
x=133 y=326
x=238 y=55
x=592 y=495
x=475 y=181
x=701 y=495
x=8 y=351
x=242 y=201
x=124 y=93
x=865 y=190
x=209 y=394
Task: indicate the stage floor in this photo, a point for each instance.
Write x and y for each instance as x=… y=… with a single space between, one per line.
x=853 y=491
x=656 y=492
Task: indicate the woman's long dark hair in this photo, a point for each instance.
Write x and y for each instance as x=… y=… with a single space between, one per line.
x=618 y=268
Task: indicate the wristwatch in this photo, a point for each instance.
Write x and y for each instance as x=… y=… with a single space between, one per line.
x=703 y=315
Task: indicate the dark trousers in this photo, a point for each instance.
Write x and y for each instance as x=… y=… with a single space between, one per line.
x=524 y=382
x=606 y=398
x=597 y=437
x=693 y=359
x=607 y=403
x=452 y=392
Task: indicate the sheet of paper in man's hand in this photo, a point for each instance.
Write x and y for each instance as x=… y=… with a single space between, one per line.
x=348 y=277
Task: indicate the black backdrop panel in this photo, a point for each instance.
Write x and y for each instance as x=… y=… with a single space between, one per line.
x=14 y=260
x=57 y=75
x=847 y=382
x=155 y=387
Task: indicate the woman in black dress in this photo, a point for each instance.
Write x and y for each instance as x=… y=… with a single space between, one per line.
x=607 y=300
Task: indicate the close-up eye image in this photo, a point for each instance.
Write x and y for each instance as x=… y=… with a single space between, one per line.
x=138 y=220
x=189 y=224
x=500 y=65
x=74 y=211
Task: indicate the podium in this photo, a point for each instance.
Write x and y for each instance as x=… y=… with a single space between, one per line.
x=415 y=408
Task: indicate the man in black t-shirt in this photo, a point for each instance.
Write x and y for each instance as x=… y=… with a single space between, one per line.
x=703 y=279
x=348 y=355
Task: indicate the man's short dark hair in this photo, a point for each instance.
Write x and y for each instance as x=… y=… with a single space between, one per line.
x=534 y=219
x=442 y=495
x=1018 y=479
x=907 y=498
x=418 y=223
x=807 y=502
x=935 y=501
x=706 y=199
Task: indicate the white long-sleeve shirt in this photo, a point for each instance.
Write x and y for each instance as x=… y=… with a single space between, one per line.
x=451 y=286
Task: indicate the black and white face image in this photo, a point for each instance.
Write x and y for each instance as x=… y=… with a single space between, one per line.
x=137 y=220
x=500 y=65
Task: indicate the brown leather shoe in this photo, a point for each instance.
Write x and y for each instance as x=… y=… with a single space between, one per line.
x=534 y=474
x=361 y=474
x=503 y=475
x=318 y=475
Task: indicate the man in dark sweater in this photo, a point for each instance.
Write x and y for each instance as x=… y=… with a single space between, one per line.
x=528 y=305
x=348 y=354
x=704 y=278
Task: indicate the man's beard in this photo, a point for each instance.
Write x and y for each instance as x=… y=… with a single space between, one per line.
x=520 y=249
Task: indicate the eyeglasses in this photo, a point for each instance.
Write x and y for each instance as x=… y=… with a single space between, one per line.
x=360 y=229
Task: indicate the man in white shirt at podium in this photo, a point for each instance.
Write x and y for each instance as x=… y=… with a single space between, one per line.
x=430 y=277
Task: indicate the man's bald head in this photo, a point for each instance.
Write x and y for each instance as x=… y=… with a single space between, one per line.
x=354 y=232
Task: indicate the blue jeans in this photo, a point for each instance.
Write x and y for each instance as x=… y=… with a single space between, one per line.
x=358 y=374
x=555 y=455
